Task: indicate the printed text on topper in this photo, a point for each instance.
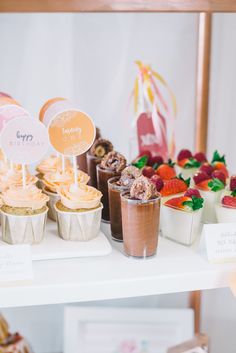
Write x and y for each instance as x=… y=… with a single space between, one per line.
x=24 y=140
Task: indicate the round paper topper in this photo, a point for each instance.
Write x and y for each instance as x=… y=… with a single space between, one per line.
x=71 y=132
x=24 y=140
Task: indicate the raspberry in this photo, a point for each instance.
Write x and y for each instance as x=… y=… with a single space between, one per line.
x=148 y=172
x=192 y=192
x=184 y=154
x=200 y=157
x=156 y=160
x=232 y=184
x=207 y=168
x=217 y=174
x=229 y=201
x=199 y=177
x=157 y=181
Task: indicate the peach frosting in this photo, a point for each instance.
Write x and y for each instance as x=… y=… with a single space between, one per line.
x=30 y=197
x=52 y=164
x=54 y=180
x=83 y=196
x=12 y=178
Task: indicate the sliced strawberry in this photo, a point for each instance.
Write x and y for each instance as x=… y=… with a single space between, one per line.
x=200 y=177
x=221 y=166
x=182 y=162
x=218 y=174
x=157 y=181
x=148 y=172
x=166 y=172
x=177 y=202
x=192 y=192
x=229 y=201
x=200 y=157
x=173 y=186
x=203 y=185
x=207 y=168
x=184 y=154
x=232 y=183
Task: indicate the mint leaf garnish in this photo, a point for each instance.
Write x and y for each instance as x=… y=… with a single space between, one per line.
x=170 y=163
x=216 y=184
x=192 y=163
x=195 y=204
x=218 y=158
x=233 y=193
x=187 y=181
x=141 y=162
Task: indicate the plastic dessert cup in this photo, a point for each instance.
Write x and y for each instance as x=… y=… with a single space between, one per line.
x=81 y=225
x=211 y=199
x=181 y=226
x=140 y=223
x=102 y=178
x=53 y=198
x=92 y=163
x=115 y=207
x=186 y=172
x=225 y=214
x=17 y=229
x=82 y=162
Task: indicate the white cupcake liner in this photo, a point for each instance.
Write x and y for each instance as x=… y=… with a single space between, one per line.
x=181 y=226
x=79 y=226
x=53 y=198
x=23 y=229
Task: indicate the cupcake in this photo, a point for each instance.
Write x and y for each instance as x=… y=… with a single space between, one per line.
x=226 y=208
x=12 y=178
x=78 y=212
x=52 y=181
x=23 y=215
x=188 y=164
x=51 y=164
x=211 y=188
x=181 y=217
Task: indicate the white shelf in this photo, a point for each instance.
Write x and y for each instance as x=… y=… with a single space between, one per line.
x=175 y=269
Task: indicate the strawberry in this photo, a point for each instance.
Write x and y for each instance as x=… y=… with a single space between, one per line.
x=218 y=158
x=192 y=192
x=207 y=168
x=200 y=177
x=218 y=174
x=148 y=172
x=182 y=162
x=174 y=186
x=177 y=202
x=232 y=184
x=156 y=160
x=157 y=181
x=200 y=157
x=221 y=166
x=166 y=172
x=203 y=185
x=184 y=154
x=229 y=201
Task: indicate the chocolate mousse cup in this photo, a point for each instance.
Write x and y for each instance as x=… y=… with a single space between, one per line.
x=92 y=162
x=140 y=224
x=114 y=191
x=102 y=179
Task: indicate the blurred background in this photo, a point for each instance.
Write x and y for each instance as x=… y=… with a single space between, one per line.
x=89 y=58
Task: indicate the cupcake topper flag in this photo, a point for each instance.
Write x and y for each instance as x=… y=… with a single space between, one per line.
x=71 y=133
x=155 y=117
x=24 y=141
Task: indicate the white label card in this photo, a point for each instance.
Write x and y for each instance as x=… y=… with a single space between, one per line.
x=15 y=263
x=220 y=241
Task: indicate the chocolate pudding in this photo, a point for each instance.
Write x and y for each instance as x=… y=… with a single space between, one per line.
x=140 y=210
x=111 y=165
x=99 y=149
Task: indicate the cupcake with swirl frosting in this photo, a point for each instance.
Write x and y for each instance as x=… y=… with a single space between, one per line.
x=78 y=212
x=23 y=214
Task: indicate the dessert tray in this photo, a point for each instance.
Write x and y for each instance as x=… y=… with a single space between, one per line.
x=53 y=247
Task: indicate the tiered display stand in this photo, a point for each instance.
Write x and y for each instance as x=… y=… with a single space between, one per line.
x=176 y=268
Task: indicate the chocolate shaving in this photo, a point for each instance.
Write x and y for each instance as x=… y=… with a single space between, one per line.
x=114 y=161
x=128 y=175
x=101 y=147
x=143 y=189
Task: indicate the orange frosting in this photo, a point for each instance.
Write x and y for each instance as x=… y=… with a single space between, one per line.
x=52 y=164
x=54 y=180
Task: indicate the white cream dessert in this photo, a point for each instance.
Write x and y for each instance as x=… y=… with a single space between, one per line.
x=78 y=212
x=181 y=217
x=188 y=164
x=211 y=188
x=226 y=207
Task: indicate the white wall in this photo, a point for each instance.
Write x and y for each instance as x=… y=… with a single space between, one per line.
x=90 y=58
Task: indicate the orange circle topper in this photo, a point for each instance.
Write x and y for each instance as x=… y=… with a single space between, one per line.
x=72 y=132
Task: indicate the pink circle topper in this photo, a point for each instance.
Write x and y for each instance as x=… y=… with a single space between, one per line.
x=11 y=111
x=24 y=140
